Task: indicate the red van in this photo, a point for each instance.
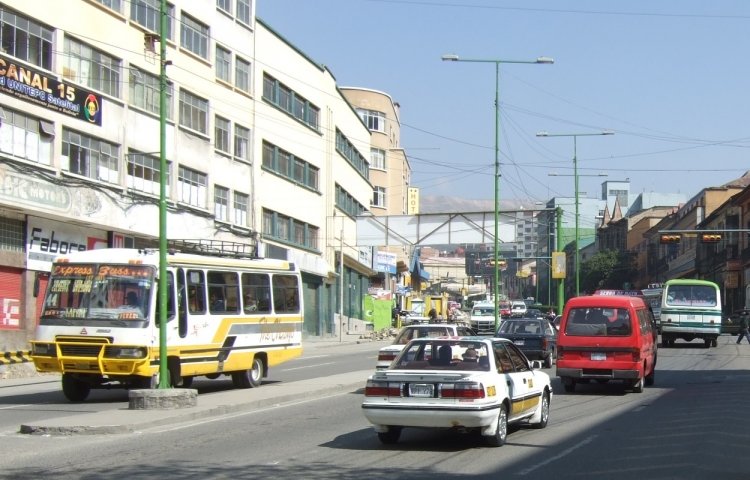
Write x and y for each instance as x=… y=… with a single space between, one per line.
x=606 y=337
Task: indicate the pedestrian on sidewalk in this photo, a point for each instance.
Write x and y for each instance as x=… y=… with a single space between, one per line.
x=743 y=329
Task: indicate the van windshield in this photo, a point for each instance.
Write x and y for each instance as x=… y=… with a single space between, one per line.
x=599 y=322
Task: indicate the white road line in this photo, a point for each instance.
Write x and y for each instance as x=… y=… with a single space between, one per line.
x=15 y=406
x=558 y=456
x=308 y=366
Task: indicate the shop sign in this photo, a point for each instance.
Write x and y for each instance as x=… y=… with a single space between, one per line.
x=40 y=88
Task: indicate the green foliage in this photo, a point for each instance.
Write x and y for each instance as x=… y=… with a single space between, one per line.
x=610 y=269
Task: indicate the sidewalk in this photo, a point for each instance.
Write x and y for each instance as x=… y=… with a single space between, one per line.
x=124 y=420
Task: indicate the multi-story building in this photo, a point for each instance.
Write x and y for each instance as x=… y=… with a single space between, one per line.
x=261 y=147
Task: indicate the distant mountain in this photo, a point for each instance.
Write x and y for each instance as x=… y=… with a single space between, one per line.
x=446 y=204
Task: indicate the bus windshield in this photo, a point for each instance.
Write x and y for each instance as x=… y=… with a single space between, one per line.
x=98 y=292
x=691 y=295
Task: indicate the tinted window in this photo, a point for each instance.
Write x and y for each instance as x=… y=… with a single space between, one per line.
x=599 y=322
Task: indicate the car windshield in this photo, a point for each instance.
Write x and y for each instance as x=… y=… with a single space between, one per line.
x=483 y=311
x=598 y=322
x=453 y=355
x=525 y=326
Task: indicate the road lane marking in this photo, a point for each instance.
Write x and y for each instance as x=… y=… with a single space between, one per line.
x=307 y=366
x=560 y=455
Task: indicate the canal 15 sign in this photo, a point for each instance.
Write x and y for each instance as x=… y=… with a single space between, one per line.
x=42 y=89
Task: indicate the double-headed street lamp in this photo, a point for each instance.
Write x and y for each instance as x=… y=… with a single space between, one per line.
x=575 y=174
x=497 y=62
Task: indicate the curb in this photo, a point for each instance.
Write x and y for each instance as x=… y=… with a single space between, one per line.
x=11 y=358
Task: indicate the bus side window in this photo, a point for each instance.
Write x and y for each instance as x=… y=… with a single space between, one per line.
x=196 y=292
x=256 y=293
x=170 y=299
x=285 y=298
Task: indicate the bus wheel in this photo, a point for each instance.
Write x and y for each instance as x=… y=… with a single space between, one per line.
x=714 y=342
x=707 y=343
x=251 y=377
x=74 y=389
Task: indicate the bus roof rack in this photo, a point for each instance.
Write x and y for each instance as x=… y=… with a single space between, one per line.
x=217 y=248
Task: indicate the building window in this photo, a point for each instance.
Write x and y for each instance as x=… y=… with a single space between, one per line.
x=221 y=134
x=374 y=120
x=351 y=154
x=146 y=13
x=144 y=173
x=242 y=74
x=378 y=197
x=288 y=100
x=241 y=142
x=347 y=203
x=241 y=202
x=90 y=157
x=91 y=67
x=289 y=230
x=193 y=112
x=223 y=64
x=287 y=165
x=221 y=203
x=144 y=92
x=192 y=187
x=377 y=158
x=194 y=36
x=26 y=137
x=26 y=39
x=115 y=5
x=243 y=11
x=224 y=5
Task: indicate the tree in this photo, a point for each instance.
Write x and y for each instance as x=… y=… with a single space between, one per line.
x=610 y=269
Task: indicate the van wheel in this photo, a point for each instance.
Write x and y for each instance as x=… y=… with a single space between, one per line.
x=714 y=342
x=548 y=361
x=707 y=343
x=650 y=377
x=638 y=386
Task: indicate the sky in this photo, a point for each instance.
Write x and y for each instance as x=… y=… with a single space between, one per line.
x=669 y=78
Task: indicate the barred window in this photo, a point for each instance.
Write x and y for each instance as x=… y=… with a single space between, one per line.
x=91 y=67
x=90 y=157
x=144 y=173
x=145 y=89
x=194 y=36
x=193 y=112
x=192 y=187
x=25 y=38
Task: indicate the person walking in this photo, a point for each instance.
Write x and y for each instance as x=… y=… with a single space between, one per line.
x=743 y=328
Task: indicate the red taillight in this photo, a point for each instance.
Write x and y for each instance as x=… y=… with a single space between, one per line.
x=386 y=357
x=470 y=391
x=544 y=343
x=382 y=389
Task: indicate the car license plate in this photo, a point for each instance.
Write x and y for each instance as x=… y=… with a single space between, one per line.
x=421 y=390
x=518 y=342
x=598 y=356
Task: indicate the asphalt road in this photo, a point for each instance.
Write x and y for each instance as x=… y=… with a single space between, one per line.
x=690 y=425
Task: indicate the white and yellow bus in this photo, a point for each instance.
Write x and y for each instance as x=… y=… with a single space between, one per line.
x=226 y=315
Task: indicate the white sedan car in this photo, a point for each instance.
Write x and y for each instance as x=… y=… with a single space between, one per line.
x=408 y=333
x=462 y=383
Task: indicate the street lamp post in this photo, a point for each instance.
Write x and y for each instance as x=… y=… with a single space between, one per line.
x=575 y=174
x=497 y=62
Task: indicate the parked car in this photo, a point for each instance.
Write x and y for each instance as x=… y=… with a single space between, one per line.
x=606 y=337
x=466 y=384
x=408 y=333
x=731 y=323
x=536 y=338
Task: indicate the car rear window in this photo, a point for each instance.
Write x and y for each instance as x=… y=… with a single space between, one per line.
x=599 y=322
x=443 y=355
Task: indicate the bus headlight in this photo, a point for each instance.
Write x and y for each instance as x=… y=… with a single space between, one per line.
x=44 y=349
x=126 y=352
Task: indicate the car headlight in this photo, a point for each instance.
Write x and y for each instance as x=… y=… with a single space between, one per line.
x=44 y=349
x=126 y=352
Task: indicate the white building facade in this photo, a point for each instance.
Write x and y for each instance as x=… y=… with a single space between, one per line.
x=258 y=142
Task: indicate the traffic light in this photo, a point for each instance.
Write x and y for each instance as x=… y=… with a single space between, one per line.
x=670 y=238
x=710 y=237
